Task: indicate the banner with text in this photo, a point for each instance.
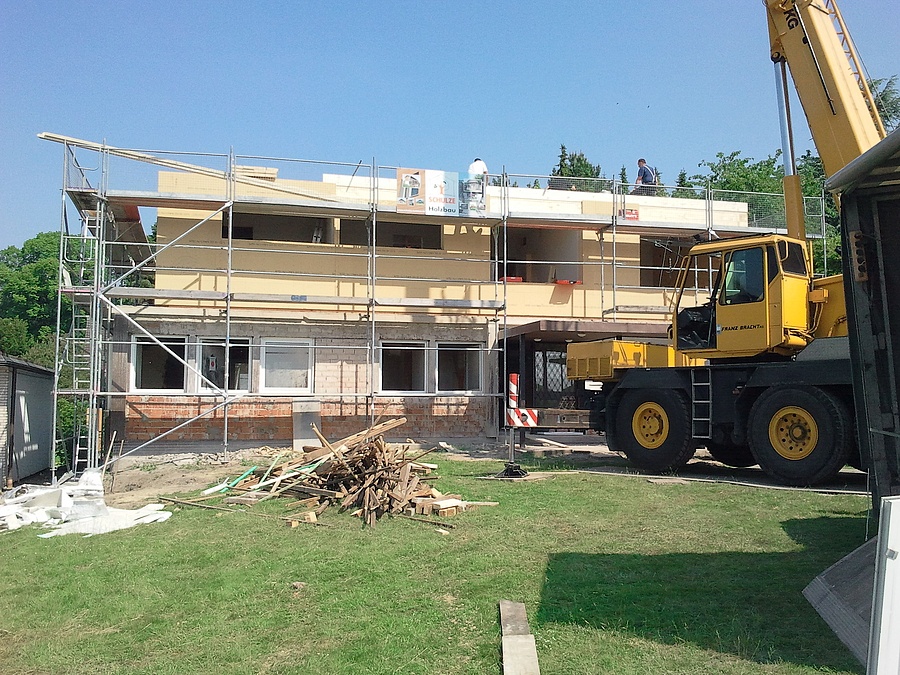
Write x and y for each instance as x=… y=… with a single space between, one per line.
x=428 y=191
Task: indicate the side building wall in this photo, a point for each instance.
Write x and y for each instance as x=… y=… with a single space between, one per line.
x=340 y=381
x=5 y=384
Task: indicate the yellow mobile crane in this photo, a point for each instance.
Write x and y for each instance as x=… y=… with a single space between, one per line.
x=761 y=373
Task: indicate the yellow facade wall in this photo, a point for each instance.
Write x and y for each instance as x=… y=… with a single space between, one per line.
x=603 y=279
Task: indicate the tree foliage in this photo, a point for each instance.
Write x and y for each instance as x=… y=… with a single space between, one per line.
x=887 y=100
x=730 y=171
x=574 y=165
x=28 y=286
x=14 y=337
x=685 y=188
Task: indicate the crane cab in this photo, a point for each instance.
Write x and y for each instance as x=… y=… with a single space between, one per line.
x=760 y=300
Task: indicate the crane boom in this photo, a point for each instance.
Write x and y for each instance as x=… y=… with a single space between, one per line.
x=810 y=36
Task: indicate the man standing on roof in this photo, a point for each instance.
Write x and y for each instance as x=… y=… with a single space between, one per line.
x=473 y=189
x=646 y=179
x=477 y=168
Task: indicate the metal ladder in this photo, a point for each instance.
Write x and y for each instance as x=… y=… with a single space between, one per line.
x=701 y=403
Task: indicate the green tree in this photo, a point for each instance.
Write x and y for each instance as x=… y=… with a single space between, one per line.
x=43 y=352
x=14 y=337
x=827 y=251
x=887 y=100
x=733 y=172
x=577 y=166
x=28 y=282
x=684 y=188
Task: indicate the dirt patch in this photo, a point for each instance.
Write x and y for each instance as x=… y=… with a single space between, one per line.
x=141 y=480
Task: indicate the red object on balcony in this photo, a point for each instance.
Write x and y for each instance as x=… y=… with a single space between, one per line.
x=508 y=279
x=567 y=282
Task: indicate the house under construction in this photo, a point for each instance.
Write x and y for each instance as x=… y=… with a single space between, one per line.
x=229 y=298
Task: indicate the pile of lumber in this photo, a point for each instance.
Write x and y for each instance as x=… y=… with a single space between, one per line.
x=360 y=473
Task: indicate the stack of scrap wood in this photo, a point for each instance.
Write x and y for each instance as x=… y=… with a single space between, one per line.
x=361 y=473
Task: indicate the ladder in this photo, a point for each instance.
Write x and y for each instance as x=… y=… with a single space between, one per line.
x=701 y=403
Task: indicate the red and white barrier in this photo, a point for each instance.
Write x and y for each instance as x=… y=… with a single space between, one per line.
x=521 y=417
x=513 y=391
x=516 y=416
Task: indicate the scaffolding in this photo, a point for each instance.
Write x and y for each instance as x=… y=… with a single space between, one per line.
x=390 y=313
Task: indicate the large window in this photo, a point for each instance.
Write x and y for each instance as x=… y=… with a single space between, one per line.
x=275 y=227
x=155 y=368
x=744 y=277
x=399 y=235
x=403 y=366
x=458 y=367
x=212 y=363
x=286 y=366
x=421 y=367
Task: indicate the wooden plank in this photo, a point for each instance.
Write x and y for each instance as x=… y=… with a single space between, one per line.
x=309 y=501
x=518 y=646
x=310 y=490
x=512 y=618
x=247 y=500
x=371 y=432
x=520 y=655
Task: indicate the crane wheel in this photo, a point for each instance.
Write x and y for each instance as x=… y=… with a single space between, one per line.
x=800 y=435
x=653 y=429
x=730 y=454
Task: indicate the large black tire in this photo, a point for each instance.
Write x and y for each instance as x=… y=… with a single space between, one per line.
x=730 y=454
x=653 y=429
x=800 y=435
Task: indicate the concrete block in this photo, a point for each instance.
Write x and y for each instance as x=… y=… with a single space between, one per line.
x=305 y=413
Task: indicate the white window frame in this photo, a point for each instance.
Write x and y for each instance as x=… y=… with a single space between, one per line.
x=207 y=341
x=476 y=347
x=293 y=343
x=137 y=340
x=412 y=345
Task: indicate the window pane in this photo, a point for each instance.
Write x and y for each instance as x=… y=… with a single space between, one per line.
x=459 y=367
x=744 y=277
x=402 y=366
x=212 y=364
x=792 y=260
x=286 y=365
x=155 y=368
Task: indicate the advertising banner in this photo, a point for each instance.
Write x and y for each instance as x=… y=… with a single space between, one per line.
x=428 y=191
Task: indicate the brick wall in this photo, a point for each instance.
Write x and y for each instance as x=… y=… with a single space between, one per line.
x=270 y=419
x=263 y=419
x=443 y=417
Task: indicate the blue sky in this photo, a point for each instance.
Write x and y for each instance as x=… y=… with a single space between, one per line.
x=425 y=84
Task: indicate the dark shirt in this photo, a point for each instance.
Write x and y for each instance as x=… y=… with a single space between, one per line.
x=647 y=175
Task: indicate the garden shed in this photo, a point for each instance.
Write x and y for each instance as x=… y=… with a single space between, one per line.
x=26 y=418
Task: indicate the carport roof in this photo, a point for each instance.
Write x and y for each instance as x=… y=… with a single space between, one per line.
x=876 y=168
x=553 y=330
x=13 y=362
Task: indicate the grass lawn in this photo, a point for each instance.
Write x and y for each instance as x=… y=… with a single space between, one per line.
x=618 y=575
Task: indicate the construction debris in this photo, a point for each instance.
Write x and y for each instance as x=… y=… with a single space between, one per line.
x=76 y=507
x=360 y=473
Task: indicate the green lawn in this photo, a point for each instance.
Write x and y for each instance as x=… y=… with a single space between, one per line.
x=618 y=575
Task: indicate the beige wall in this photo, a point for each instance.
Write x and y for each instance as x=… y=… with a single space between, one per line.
x=462 y=270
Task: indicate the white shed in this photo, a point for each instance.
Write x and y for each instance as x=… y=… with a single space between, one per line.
x=26 y=422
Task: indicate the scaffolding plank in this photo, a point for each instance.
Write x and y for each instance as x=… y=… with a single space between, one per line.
x=439 y=302
x=163 y=293
x=298 y=298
